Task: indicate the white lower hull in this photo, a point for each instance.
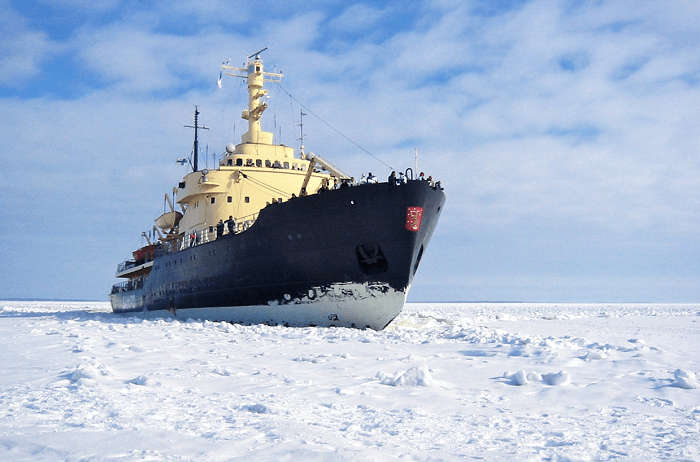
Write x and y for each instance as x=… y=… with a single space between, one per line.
x=341 y=305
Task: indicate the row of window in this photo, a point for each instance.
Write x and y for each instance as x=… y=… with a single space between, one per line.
x=228 y=199
x=268 y=164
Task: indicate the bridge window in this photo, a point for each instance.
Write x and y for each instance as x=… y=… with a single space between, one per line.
x=247 y=199
x=286 y=165
x=213 y=199
x=229 y=162
x=239 y=162
x=268 y=164
x=249 y=162
x=229 y=199
x=258 y=163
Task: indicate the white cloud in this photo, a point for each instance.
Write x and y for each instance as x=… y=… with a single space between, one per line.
x=21 y=49
x=356 y=17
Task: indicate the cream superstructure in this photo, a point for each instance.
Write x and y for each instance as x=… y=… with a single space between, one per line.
x=251 y=174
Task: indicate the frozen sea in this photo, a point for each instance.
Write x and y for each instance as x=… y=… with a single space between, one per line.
x=457 y=381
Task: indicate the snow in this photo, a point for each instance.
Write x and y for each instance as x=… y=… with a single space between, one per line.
x=684 y=379
x=442 y=382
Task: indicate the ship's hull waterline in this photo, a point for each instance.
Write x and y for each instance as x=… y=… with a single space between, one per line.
x=343 y=257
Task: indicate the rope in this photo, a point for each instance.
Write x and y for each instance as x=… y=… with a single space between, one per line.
x=264 y=185
x=355 y=143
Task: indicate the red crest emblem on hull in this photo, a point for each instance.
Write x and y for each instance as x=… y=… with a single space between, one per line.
x=414 y=215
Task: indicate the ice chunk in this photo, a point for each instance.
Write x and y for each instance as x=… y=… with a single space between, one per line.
x=139 y=380
x=256 y=408
x=684 y=379
x=556 y=378
x=519 y=378
x=593 y=355
x=415 y=376
x=78 y=374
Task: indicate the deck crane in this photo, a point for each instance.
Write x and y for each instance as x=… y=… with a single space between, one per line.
x=313 y=160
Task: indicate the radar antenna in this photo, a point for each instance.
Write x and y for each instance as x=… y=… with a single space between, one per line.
x=257 y=53
x=196 y=127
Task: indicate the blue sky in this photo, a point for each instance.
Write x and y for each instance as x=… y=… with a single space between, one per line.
x=565 y=132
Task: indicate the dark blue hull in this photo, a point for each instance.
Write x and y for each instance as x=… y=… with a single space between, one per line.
x=343 y=257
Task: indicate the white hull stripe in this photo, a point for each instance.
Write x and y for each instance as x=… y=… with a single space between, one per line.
x=342 y=305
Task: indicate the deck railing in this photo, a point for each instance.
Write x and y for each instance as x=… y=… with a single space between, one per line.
x=126 y=286
x=207 y=234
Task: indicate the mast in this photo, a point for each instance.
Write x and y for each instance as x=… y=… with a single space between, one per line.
x=196 y=127
x=301 y=132
x=256 y=76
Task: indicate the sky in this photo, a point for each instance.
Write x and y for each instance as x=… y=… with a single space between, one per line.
x=565 y=132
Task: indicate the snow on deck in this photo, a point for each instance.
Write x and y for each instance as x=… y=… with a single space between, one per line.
x=443 y=382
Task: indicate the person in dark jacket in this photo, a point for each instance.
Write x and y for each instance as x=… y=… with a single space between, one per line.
x=230 y=224
x=219 y=228
x=392 y=178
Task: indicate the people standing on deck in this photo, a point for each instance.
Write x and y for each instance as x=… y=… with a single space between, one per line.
x=219 y=228
x=371 y=178
x=421 y=176
x=230 y=224
x=193 y=238
x=402 y=180
x=392 y=178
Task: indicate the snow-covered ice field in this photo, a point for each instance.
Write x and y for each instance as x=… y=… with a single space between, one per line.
x=443 y=382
